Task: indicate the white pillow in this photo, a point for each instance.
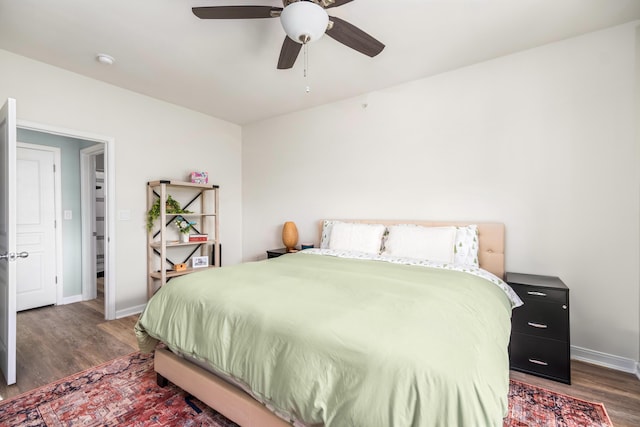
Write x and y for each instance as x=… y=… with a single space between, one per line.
x=466 y=246
x=430 y=243
x=346 y=236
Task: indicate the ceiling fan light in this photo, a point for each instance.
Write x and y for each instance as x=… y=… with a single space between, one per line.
x=304 y=21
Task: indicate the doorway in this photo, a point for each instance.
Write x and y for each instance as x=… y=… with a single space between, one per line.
x=72 y=283
x=93 y=192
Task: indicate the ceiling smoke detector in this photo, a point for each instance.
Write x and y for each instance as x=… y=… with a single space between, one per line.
x=105 y=59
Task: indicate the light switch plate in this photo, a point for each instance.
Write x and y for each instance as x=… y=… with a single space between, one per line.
x=124 y=215
x=68 y=215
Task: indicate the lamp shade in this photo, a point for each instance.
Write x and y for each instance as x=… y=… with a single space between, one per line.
x=304 y=21
x=290 y=235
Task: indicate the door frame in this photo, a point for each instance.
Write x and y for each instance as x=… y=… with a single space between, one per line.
x=109 y=232
x=87 y=201
x=57 y=202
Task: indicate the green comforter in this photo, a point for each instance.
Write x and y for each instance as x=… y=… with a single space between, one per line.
x=345 y=342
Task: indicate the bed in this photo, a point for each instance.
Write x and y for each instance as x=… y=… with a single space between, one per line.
x=334 y=337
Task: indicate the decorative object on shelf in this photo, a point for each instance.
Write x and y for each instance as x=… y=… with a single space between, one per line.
x=198 y=237
x=200 y=177
x=290 y=235
x=171 y=206
x=304 y=246
x=184 y=227
x=200 y=261
x=180 y=266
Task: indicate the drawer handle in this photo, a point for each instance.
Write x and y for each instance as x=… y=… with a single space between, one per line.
x=536 y=293
x=537 y=325
x=538 y=362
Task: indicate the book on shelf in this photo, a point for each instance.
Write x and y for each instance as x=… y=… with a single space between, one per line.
x=198 y=237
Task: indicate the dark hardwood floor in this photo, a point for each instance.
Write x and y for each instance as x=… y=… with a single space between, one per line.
x=54 y=342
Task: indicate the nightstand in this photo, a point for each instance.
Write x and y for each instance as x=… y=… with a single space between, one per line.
x=275 y=253
x=540 y=343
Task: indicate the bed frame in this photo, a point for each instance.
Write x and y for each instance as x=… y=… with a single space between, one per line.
x=237 y=405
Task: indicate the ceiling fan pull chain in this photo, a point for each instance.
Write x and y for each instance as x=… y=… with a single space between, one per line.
x=306 y=65
x=306 y=58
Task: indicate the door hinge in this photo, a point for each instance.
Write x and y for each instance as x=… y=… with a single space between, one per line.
x=54 y=168
x=56 y=280
x=55 y=223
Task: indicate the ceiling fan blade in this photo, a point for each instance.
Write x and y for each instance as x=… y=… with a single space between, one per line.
x=288 y=54
x=337 y=3
x=236 y=12
x=352 y=36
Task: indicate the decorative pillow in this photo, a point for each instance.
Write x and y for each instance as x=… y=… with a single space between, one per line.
x=466 y=246
x=348 y=236
x=428 y=243
x=327 y=225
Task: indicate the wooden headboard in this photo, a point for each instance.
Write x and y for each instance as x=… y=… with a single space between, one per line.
x=491 y=239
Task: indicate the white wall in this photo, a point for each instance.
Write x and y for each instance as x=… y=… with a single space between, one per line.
x=543 y=140
x=153 y=140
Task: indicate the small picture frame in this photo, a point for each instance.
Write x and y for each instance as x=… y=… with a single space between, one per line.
x=200 y=177
x=200 y=261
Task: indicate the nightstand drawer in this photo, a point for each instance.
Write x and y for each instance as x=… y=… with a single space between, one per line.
x=533 y=293
x=542 y=319
x=541 y=356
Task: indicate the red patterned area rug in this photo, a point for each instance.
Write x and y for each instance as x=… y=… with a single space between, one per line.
x=531 y=406
x=123 y=392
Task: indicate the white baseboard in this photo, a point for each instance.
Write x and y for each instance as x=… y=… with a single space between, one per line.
x=130 y=311
x=72 y=299
x=607 y=360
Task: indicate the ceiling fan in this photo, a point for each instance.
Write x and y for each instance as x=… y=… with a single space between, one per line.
x=304 y=21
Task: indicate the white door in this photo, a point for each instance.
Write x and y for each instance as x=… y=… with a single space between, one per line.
x=8 y=240
x=36 y=275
